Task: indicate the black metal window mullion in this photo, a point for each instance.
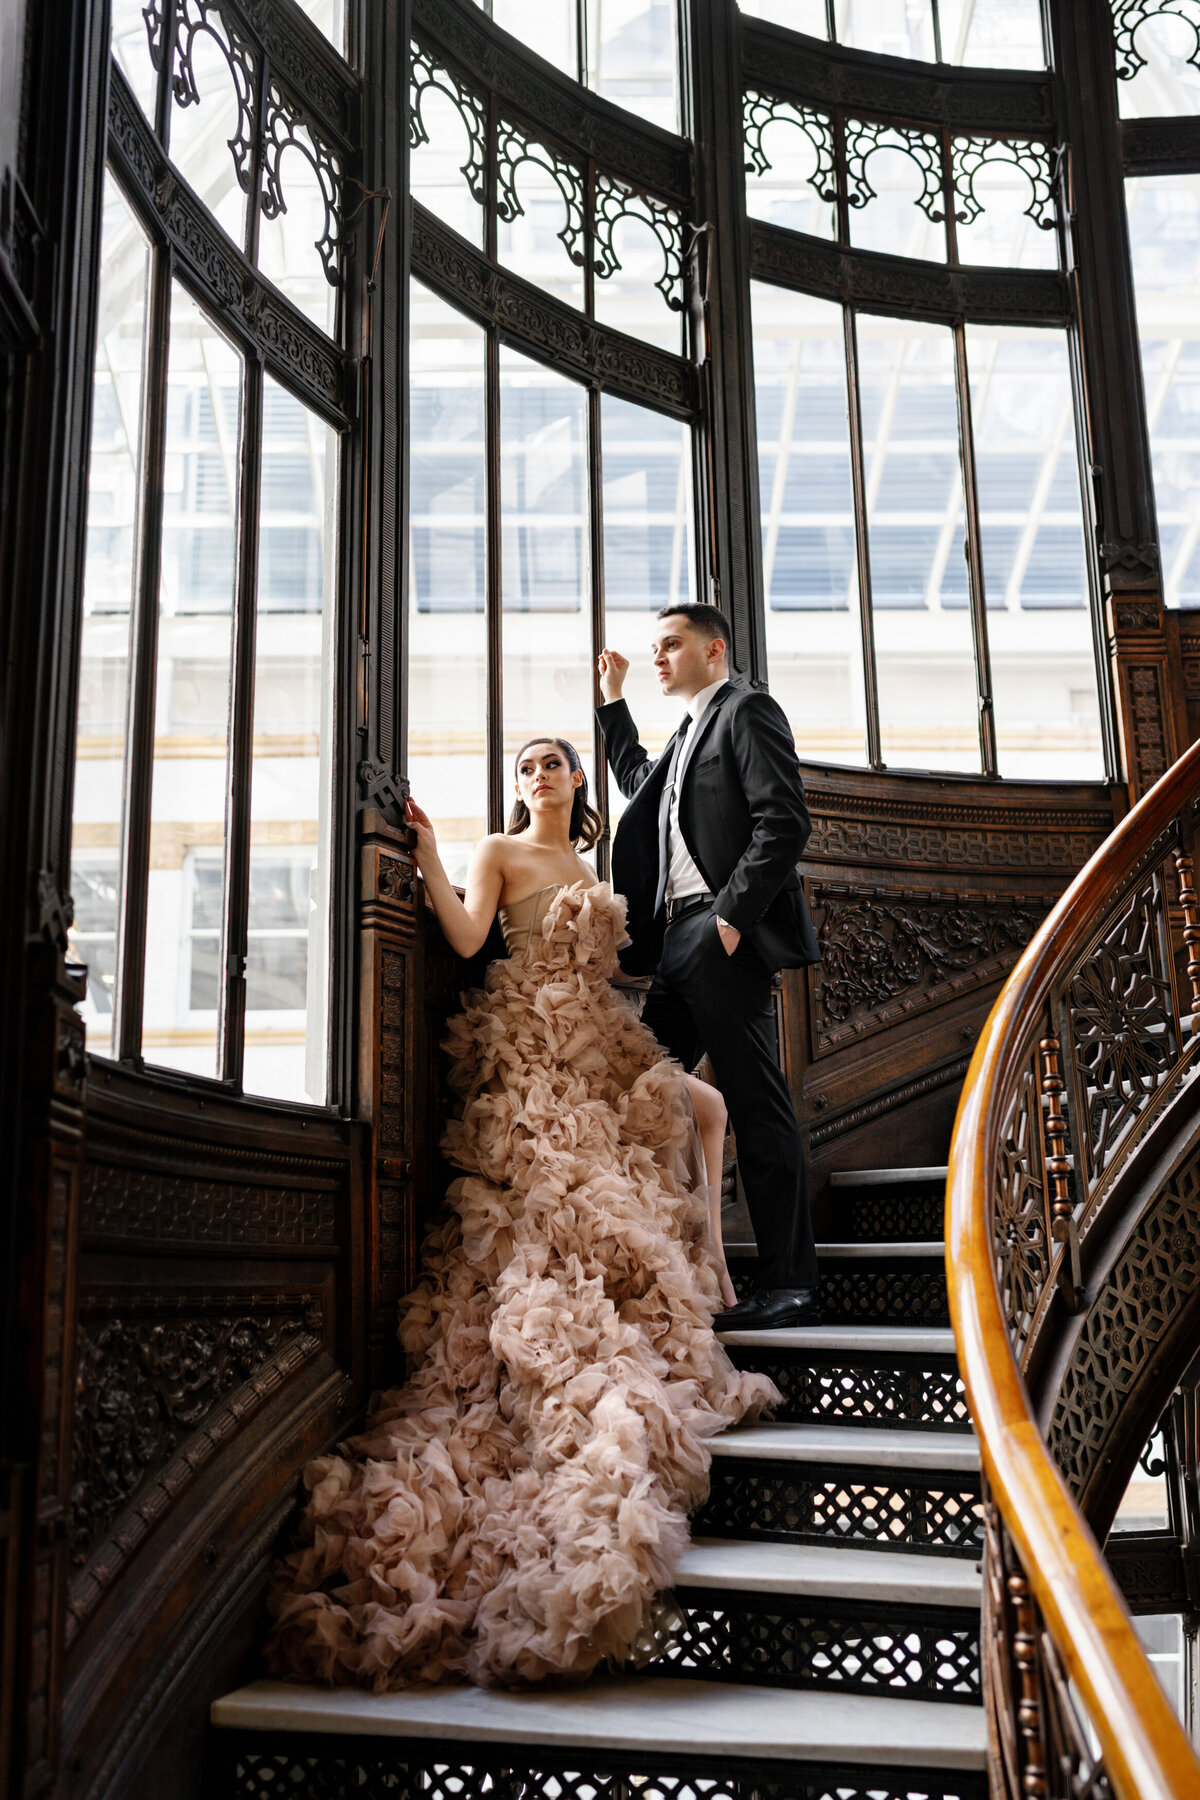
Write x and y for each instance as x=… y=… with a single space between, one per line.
x=494 y=722
x=975 y=583
x=858 y=478
x=231 y=1024
x=143 y=660
x=596 y=578
x=162 y=102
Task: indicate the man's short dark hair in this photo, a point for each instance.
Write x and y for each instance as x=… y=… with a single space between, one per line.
x=708 y=622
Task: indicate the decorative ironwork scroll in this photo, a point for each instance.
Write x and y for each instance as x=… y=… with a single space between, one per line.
x=1032 y=156
x=428 y=76
x=614 y=202
x=1128 y=18
x=923 y=148
x=193 y=18
x=761 y=110
x=514 y=147
x=284 y=129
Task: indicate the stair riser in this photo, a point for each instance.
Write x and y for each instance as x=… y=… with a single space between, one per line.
x=810 y=1503
x=854 y=1648
x=871 y=1293
x=259 y=1766
x=901 y=1392
x=886 y=1215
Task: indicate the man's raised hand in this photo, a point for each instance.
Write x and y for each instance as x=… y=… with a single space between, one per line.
x=613 y=669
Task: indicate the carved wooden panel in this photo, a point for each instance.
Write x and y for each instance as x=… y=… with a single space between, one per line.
x=1150 y=702
x=924 y=891
x=886 y=956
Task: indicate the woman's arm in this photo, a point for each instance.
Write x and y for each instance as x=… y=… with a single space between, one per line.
x=465 y=923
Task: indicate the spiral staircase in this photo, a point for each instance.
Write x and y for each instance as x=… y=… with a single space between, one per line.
x=825 y=1637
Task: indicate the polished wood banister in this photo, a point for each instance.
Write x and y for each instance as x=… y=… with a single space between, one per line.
x=1146 y=1753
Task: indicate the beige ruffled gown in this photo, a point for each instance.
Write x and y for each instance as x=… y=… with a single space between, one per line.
x=510 y=1515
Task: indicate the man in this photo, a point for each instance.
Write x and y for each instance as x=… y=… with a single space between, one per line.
x=706 y=856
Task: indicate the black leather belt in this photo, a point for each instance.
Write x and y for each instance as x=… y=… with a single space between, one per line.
x=686 y=904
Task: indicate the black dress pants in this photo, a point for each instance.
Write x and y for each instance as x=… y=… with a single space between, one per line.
x=702 y=999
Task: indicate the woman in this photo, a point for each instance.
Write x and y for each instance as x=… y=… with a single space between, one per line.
x=510 y=1515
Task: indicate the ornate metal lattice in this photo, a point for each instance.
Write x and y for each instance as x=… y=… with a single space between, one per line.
x=1032 y=156
x=155 y=15
x=1019 y=1219
x=206 y=16
x=428 y=76
x=890 y=1215
x=865 y=136
x=773 y=1500
x=739 y=1637
x=1123 y=1022
x=513 y=148
x=285 y=129
x=898 y=1292
x=1128 y=18
x=614 y=201
x=761 y=110
x=904 y=1392
x=267 y=1766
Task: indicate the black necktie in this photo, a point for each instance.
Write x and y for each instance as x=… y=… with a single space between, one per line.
x=664 y=809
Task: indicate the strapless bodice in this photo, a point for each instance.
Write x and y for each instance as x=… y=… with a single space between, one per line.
x=523 y=919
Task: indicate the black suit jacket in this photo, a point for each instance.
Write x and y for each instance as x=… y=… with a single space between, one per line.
x=743 y=818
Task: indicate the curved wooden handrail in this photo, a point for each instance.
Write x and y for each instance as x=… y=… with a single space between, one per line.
x=1146 y=1752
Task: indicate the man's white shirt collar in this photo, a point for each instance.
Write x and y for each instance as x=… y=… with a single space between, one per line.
x=701 y=698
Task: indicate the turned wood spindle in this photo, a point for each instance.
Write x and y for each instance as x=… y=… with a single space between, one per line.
x=1029 y=1707
x=1191 y=927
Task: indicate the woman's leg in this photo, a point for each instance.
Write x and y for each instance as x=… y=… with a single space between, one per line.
x=710 y=1120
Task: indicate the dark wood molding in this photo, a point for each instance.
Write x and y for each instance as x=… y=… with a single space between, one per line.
x=1160 y=146
x=905 y=286
x=787 y=63
x=545 y=328
x=641 y=153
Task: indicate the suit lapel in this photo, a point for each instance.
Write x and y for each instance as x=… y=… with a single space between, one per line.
x=703 y=726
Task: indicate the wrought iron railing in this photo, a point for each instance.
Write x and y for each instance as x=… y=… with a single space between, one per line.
x=1086 y=1059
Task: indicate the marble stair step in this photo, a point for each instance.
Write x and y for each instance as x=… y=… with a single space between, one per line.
x=848 y=1447
x=665 y=1716
x=831 y=1340
x=828 y=1572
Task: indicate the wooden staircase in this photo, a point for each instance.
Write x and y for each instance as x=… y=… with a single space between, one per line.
x=826 y=1638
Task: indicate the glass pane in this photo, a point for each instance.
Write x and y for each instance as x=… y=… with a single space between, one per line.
x=928 y=706
x=890 y=27
x=1047 y=707
x=1003 y=34
x=548 y=660
x=1145 y=1504
x=447 y=644
x=789 y=166
x=544 y=195
x=298 y=230
x=107 y=593
x=211 y=120
x=131 y=48
x=547 y=26
x=287 y=973
x=798 y=15
x=632 y=58
x=451 y=124
x=814 y=649
x=895 y=184
x=330 y=16
x=191 y=733
x=1164 y=231
x=648 y=550
x=642 y=256
x=1157 y=60
x=1162 y=1639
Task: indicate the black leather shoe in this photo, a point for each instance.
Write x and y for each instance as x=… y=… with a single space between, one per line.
x=731 y=1318
x=771 y=1309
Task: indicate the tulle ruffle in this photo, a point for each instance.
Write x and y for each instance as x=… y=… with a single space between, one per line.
x=510 y=1515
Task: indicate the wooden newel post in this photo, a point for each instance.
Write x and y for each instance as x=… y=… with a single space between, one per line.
x=1058 y=1169
x=1191 y=927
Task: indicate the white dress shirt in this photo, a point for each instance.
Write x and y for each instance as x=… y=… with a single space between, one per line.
x=683 y=877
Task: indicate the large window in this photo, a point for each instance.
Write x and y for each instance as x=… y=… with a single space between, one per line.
x=989 y=33
x=623 y=49
x=203 y=801
x=564 y=522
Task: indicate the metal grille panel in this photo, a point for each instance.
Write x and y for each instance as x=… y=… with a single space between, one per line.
x=780 y=1501
x=902 y=1392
